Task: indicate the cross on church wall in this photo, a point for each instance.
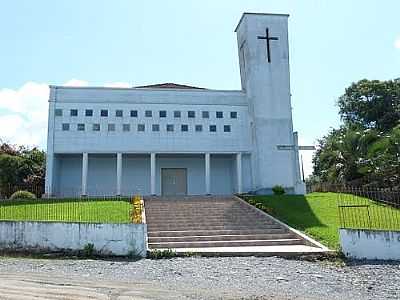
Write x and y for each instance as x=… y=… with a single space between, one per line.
x=268 y=38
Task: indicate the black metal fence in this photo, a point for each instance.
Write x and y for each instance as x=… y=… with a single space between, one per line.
x=83 y=210
x=369 y=209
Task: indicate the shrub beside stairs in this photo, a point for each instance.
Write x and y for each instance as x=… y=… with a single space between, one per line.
x=225 y=225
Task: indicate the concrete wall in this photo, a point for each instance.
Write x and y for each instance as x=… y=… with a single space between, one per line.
x=108 y=239
x=370 y=244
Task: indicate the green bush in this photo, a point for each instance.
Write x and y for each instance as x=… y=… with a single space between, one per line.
x=89 y=250
x=22 y=195
x=278 y=190
x=160 y=254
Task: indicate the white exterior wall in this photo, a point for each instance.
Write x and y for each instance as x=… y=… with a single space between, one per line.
x=370 y=244
x=108 y=239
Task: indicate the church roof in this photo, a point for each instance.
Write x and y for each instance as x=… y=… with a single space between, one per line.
x=169 y=85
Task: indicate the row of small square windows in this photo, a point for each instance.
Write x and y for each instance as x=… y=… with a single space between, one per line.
x=147 y=113
x=142 y=127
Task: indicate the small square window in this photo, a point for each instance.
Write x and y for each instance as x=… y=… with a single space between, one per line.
x=126 y=127
x=111 y=127
x=199 y=128
x=227 y=128
x=177 y=114
x=58 y=112
x=219 y=114
x=96 y=127
x=119 y=113
x=104 y=113
x=163 y=113
x=233 y=115
x=81 y=127
x=134 y=113
x=65 y=126
x=73 y=112
x=170 y=127
x=155 y=127
x=148 y=113
x=184 y=127
x=141 y=127
x=191 y=114
x=89 y=112
x=205 y=114
x=213 y=128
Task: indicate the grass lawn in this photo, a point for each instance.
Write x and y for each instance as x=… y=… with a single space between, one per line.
x=67 y=210
x=316 y=214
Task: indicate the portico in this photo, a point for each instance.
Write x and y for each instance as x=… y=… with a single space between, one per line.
x=154 y=173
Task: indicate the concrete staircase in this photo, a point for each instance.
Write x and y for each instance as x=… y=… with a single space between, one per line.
x=205 y=222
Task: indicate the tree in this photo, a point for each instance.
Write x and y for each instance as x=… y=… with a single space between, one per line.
x=371 y=104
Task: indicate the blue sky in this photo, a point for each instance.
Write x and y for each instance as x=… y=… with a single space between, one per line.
x=332 y=43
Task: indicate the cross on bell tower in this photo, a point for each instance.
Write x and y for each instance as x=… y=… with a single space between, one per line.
x=268 y=38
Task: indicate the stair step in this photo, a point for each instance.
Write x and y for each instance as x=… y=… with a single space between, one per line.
x=241 y=243
x=176 y=233
x=196 y=238
x=228 y=227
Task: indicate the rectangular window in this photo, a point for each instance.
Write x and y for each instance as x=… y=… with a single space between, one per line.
x=227 y=128
x=65 y=126
x=89 y=112
x=141 y=127
x=96 y=127
x=74 y=112
x=155 y=127
x=177 y=114
x=184 y=127
x=134 y=113
x=163 y=113
x=81 y=127
x=219 y=114
x=205 y=114
x=58 y=112
x=111 y=127
x=213 y=128
x=119 y=113
x=191 y=114
x=233 y=115
x=148 y=113
x=170 y=127
x=126 y=127
x=199 y=128
x=104 y=113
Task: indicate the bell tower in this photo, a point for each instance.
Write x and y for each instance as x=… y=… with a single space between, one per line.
x=264 y=69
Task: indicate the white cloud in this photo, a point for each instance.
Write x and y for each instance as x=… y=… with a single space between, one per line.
x=397 y=43
x=23 y=112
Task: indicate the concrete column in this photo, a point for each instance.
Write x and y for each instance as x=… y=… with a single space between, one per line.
x=207 y=173
x=85 y=158
x=119 y=173
x=239 y=172
x=152 y=173
x=49 y=174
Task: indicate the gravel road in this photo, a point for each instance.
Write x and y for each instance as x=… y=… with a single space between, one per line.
x=197 y=278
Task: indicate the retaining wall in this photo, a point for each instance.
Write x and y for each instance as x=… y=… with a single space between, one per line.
x=108 y=239
x=370 y=244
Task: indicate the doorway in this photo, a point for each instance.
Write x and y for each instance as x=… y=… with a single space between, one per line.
x=173 y=181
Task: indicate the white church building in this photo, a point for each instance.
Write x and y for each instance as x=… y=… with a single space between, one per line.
x=171 y=139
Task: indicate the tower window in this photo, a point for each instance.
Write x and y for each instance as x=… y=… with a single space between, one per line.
x=213 y=128
x=89 y=112
x=205 y=114
x=81 y=127
x=148 y=113
x=233 y=115
x=96 y=127
x=74 y=112
x=219 y=114
x=191 y=114
x=227 y=128
x=184 y=127
x=199 y=128
x=104 y=113
x=111 y=127
x=170 y=127
x=163 y=113
x=126 y=127
x=177 y=114
x=119 y=113
x=58 y=112
x=134 y=113
x=141 y=127
x=65 y=126
x=155 y=127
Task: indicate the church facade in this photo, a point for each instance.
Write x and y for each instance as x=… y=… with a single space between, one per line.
x=171 y=139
